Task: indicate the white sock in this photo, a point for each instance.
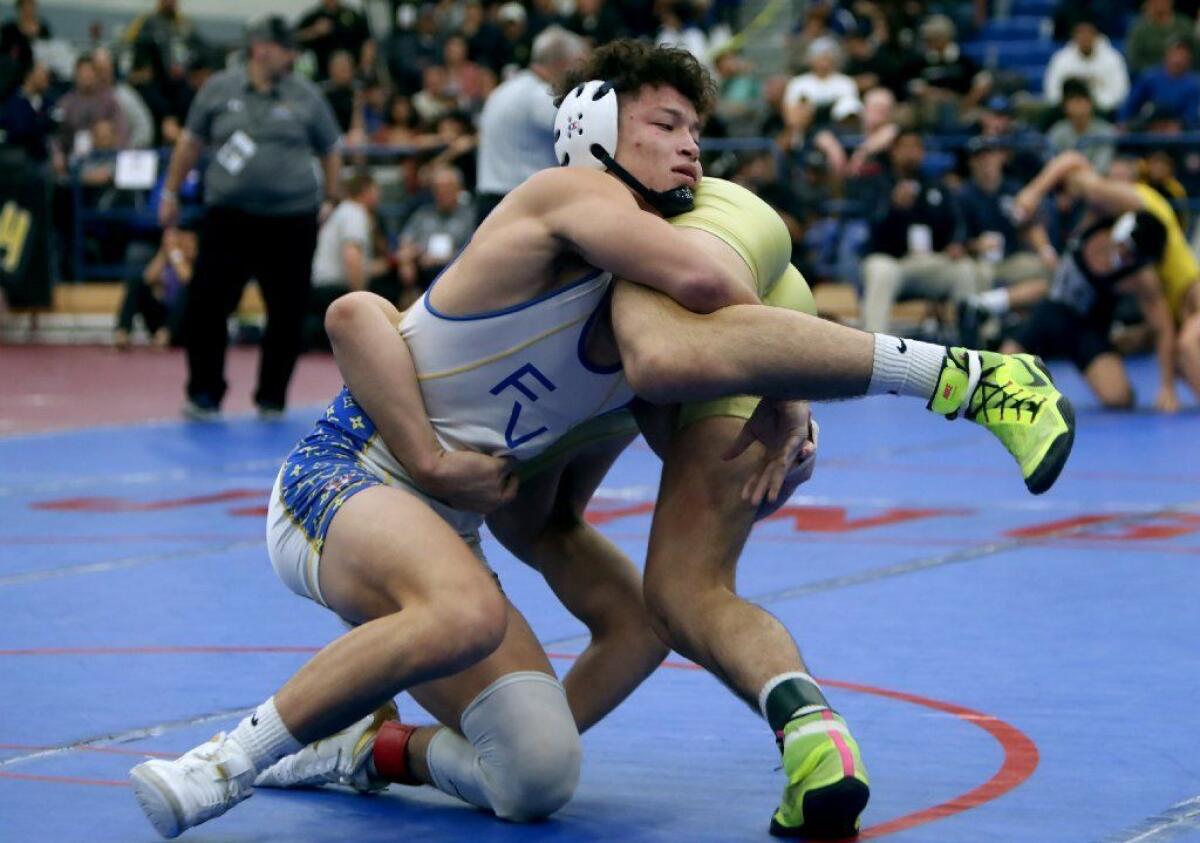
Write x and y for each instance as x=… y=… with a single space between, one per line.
x=996 y=302
x=264 y=737
x=905 y=367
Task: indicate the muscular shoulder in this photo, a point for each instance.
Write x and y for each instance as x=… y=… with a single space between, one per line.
x=558 y=187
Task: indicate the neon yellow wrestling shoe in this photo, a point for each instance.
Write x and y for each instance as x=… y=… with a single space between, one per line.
x=1013 y=396
x=827 y=785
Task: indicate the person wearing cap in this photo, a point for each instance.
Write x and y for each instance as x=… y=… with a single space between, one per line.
x=517 y=123
x=266 y=130
x=1131 y=242
x=1173 y=88
x=1013 y=262
x=809 y=97
x=1092 y=59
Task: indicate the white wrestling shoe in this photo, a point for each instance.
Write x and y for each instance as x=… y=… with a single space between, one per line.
x=195 y=787
x=339 y=759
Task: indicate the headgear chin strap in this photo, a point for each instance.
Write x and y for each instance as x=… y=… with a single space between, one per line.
x=592 y=106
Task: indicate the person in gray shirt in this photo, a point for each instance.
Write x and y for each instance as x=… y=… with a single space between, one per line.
x=516 y=127
x=266 y=130
x=435 y=233
x=1080 y=121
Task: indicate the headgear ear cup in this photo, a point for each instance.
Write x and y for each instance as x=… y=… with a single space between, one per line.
x=585 y=135
x=587 y=118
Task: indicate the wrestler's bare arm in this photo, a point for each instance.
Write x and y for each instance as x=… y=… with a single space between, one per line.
x=375 y=362
x=597 y=217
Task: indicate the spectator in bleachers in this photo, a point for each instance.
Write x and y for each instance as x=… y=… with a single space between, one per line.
x=25 y=118
x=166 y=37
x=596 y=21
x=157 y=293
x=81 y=108
x=143 y=77
x=372 y=106
x=341 y=88
x=1014 y=264
x=1170 y=90
x=434 y=99
x=435 y=232
x=1080 y=120
x=484 y=42
x=17 y=38
x=516 y=42
x=814 y=26
x=1091 y=58
x=329 y=28
x=759 y=173
x=1156 y=28
x=401 y=127
x=459 y=142
x=543 y=14
x=809 y=97
x=680 y=27
x=517 y=123
x=466 y=80
x=740 y=107
x=138 y=119
x=913 y=251
x=1022 y=145
x=948 y=83
x=879 y=132
x=413 y=46
x=342 y=260
x=874 y=59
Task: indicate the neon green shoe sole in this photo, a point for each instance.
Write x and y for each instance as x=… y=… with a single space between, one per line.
x=1014 y=397
x=827 y=787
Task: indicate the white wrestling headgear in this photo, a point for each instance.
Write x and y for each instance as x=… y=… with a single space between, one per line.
x=585 y=135
x=586 y=117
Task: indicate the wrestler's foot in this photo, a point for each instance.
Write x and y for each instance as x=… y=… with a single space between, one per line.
x=827 y=785
x=199 y=785
x=338 y=759
x=1014 y=397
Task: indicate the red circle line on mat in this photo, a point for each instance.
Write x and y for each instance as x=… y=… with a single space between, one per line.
x=1020 y=752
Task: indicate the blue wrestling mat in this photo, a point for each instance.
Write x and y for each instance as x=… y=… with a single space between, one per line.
x=1016 y=669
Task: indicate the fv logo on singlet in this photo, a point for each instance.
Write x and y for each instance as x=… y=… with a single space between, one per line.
x=514 y=380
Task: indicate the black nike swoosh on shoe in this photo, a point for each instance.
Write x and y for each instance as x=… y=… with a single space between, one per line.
x=254 y=719
x=903 y=347
x=1035 y=378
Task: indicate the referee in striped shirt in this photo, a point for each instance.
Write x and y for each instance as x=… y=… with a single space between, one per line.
x=516 y=129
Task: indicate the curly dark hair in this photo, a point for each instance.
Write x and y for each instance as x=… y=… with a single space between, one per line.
x=629 y=65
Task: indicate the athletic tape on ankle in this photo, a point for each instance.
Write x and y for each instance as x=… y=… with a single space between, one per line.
x=790 y=695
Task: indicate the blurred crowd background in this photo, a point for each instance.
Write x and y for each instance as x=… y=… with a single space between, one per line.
x=855 y=119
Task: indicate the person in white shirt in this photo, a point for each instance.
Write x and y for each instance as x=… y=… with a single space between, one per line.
x=341 y=263
x=517 y=123
x=1088 y=56
x=808 y=94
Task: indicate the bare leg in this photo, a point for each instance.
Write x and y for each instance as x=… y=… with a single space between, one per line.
x=420 y=620
x=699 y=531
x=596 y=582
x=672 y=355
x=1107 y=377
x=1189 y=347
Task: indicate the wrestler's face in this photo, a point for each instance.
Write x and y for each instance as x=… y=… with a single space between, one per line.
x=659 y=136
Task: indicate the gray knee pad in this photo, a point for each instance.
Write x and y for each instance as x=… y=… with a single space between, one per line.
x=521 y=756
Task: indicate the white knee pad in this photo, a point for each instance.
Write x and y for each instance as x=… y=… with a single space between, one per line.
x=521 y=756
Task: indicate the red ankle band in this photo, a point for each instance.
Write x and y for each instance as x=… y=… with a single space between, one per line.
x=391 y=753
